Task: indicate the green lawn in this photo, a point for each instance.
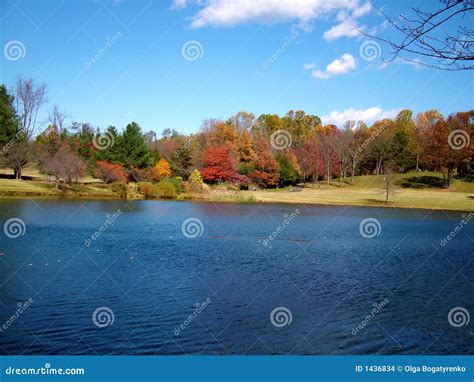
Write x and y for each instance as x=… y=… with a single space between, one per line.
x=367 y=191
x=31 y=188
x=412 y=191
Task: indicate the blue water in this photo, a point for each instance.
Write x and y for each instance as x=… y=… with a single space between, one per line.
x=214 y=294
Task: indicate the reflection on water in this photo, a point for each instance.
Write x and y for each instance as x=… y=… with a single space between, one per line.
x=317 y=287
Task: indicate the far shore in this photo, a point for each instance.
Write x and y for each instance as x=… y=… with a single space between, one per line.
x=333 y=195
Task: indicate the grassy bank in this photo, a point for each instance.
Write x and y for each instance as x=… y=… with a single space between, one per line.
x=412 y=191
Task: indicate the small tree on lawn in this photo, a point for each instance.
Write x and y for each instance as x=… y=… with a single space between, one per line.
x=110 y=172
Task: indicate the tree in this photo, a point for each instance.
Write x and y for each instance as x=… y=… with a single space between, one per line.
x=327 y=142
x=310 y=159
x=133 y=148
x=358 y=146
x=288 y=173
x=110 y=172
x=58 y=118
x=195 y=181
x=442 y=38
x=9 y=123
x=388 y=185
x=181 y=161
x=162 y=169
x=65 y=165
x=380 y=146
x=299 y=124
x=17 y=157
x=403 y=147
x=266 y=168
x=29 y=98
x=219 y=165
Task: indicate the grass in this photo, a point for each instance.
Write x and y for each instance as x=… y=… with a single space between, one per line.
x=31 y=188
x=367 y=192
x=413 y=191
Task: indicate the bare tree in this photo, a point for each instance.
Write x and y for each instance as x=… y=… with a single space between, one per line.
x=389 y=187
x=64 y=165
x=58 y=118
x=17 y=157
x=424 y=35
x=29 y=98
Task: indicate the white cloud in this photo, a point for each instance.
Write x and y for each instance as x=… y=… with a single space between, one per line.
x=362 y=10
x=309 y=66
x=179 y=4
x=234 y=12
x=341 y=65
x=369 y=115
x=345 y=28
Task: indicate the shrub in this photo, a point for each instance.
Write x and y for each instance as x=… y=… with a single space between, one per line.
x=195 y=183
x=166 y=189
x=147 y=189
x=110 y=172
x=120 y=188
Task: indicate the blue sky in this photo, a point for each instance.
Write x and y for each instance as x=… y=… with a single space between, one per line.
x=145 y=75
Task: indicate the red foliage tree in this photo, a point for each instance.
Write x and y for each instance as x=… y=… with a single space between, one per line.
x=219 y=165
x=110 y=172
x=266 y=172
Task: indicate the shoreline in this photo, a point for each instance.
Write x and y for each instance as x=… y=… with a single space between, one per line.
x=187 y=198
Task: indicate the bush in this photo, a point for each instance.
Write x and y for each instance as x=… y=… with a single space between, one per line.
x=110 y=172
x=166 y=189
x=147 y=189
x=176 y=182
x=120 y=188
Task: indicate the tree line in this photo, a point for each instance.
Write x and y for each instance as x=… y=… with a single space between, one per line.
x=245 y=150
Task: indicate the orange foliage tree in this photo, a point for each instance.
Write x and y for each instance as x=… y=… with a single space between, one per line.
x=110 y=172
x=162 y=169
x=219 y=165
x=266 y=172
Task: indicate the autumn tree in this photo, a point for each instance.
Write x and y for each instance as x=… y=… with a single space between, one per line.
x=162 y=169
x=266 y=168
x=195 y=181
x=110 y=172
x=219 y=165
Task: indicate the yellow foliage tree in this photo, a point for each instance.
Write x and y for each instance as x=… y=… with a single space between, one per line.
x=162 y=169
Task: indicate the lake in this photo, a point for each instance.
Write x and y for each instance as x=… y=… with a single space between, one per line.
x=159 y=277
